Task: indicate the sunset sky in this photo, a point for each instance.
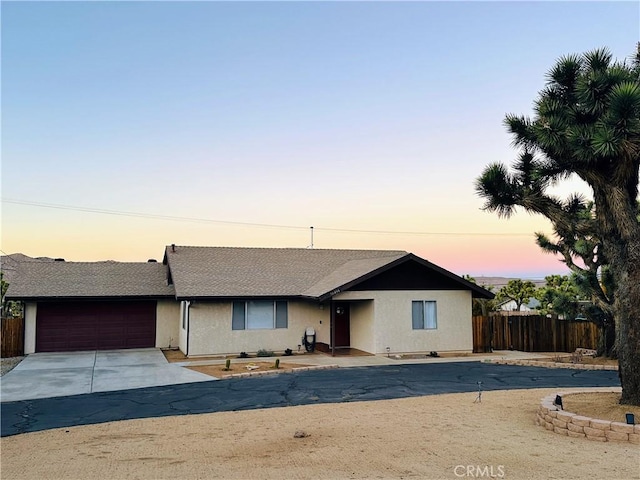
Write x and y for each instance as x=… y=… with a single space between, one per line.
x=128 y=126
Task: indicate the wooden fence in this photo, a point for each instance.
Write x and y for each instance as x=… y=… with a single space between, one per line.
x=532 y=333
x=12 y=338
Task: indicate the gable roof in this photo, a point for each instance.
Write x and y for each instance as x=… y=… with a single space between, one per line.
x=229 y=272
x=415 y=273
x=89 y=280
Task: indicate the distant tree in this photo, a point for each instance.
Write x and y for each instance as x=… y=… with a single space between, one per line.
x=517 y=290
x=482 y=306
x=586 y=123
x=559 y=296
x=4 y=285
x=8 y=308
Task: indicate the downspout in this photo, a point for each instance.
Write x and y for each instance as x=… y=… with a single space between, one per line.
x=187 y=306
x=24 y=327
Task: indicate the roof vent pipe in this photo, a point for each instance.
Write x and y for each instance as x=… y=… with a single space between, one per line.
x=173 y=247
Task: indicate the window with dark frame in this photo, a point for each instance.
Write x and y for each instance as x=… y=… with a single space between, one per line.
x=424 y=315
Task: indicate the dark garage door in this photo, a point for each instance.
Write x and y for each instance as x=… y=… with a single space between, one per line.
x=64 y=327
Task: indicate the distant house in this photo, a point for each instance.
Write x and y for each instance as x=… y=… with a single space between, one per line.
x=219 y=300
x=526 y=308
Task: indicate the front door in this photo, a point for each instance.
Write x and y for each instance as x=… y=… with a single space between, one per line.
x=342 y=325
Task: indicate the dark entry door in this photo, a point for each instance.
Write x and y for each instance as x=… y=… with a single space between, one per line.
x=342 y=326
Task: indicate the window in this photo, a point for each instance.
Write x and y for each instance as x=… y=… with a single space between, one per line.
x=259 y=315
x=424 y=315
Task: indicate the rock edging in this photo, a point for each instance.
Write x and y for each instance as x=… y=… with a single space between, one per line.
x=559 y=421
x=257 y=373
x=551 y=364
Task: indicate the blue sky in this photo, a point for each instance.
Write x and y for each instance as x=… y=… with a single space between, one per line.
x=359 y=116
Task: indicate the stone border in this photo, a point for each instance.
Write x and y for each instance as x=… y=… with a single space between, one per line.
x=551 y=364
x=257 y=373
x=566 y=423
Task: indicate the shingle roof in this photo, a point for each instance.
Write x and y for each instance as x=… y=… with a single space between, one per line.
x=37 y=280
x=216 y=272
x=200 y=272
x=9 y=264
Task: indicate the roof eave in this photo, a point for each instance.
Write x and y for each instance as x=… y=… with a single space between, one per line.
x=227 y=298
x=53 y=298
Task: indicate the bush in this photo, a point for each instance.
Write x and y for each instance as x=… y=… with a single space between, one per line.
x=288 y=352
x=243 y=355
x=264 y=353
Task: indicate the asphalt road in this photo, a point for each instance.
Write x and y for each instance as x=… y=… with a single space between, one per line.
x=282 y=390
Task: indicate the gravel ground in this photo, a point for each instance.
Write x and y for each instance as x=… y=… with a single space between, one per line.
x=8 y=364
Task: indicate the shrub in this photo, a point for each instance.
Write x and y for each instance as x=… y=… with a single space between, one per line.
x=264 y=353
x=243 y=355
x=288 y=352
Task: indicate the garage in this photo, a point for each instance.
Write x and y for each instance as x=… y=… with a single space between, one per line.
x=104 y=325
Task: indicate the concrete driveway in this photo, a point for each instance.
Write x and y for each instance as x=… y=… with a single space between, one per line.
x=44 y=375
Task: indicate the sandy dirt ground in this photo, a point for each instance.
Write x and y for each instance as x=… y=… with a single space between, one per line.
x=603 y=406
x=433 y=437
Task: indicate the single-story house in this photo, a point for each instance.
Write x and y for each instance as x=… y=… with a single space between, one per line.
x=223 y=300
x=528 y=308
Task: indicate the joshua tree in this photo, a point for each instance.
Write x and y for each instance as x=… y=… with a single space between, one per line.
x=586 y=123
x=517 y=290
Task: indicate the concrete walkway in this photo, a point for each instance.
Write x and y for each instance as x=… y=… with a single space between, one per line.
x=45 y=375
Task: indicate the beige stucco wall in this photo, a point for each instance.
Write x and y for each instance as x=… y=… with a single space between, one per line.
x=392 y=321
x=30 y=311
x=320 y=319
x=361 y=320
x=210 y=330
x=167 y=323
x=378 y=319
